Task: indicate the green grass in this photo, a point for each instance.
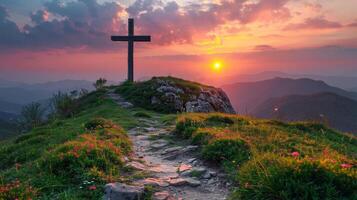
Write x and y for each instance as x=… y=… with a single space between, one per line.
x=257 y=154
x=55 y=161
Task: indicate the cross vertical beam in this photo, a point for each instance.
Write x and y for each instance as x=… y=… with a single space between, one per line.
x=131 y=50
x=131 y=38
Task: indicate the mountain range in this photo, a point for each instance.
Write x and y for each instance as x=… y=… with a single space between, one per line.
x=344 y=82
x=246 y=96
x=13 y=95
x=296 y=100
x=334 y=110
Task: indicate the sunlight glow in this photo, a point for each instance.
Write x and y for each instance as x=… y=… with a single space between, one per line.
x=217 y=66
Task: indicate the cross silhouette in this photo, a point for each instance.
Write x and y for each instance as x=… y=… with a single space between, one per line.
x=131 y=38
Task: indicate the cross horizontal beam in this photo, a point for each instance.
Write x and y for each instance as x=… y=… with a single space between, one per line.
x=136 y=38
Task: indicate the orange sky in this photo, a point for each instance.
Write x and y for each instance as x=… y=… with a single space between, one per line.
x=69 y=40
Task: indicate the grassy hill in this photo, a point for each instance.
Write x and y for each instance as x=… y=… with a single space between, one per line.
x=275 y=160
x=73 y=158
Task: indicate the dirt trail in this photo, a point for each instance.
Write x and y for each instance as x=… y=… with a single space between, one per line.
x=173 y=166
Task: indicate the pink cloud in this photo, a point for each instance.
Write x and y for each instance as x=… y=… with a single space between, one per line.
x=314 y=23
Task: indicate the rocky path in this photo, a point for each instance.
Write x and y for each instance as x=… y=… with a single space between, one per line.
x=174 y=167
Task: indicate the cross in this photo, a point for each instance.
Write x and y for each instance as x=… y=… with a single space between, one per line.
x=131 y=38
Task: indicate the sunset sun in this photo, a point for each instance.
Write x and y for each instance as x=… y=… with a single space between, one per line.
x=217 y=66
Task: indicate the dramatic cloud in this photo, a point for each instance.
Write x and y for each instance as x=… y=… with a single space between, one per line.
x=40 y=16
x=82 y=23
x=87 y=23
x=10 y=34
x=170 y=24
x=314 y=23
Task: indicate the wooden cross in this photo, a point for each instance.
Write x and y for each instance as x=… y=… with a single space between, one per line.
x=131 y=38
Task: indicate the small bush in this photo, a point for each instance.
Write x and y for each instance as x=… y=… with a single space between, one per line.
x=142 y=114
x=201 y=138
x=17 y=190
x=273 y=177
x=186 y=127
x=98 y=123
x=63 y=105
x=219 y=120
x=73 y=160
x=100 y=84
x=226 y=150
x=32 y=116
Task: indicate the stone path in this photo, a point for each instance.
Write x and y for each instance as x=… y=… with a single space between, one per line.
x=174 y=167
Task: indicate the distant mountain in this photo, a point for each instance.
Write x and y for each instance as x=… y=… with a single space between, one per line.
x=337 y=111
x=9 y=107
x=344 y=82
x=353 y=89
x=246 y=96
x=22 y=94
x=9 y=117
x=7 y=83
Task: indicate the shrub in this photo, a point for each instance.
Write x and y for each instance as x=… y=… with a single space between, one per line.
x=32 y=116
x=201 y=138
x=17 y=190
x=219 y=120
x=64 y=105
x=226 y=150
x=96 y=155
x=73 y=160
x=186 y=127
x=142 y=114
x=273 y=177
x=98 y=123
x=100 y=83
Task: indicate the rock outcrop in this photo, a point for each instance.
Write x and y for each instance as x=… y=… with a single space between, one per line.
x=176 y=95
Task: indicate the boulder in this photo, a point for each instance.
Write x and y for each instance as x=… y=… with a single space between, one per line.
x=177 y=95
x=120 y=191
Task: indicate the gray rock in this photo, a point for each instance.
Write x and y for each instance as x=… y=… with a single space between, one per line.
x=159 y=144
x=193 y=182
x=213 y=173
x=150 y=129
x=119 y=191
x=197 y=171
x=170 y=150
x=207 y=175
x=163 y=195
x=168 y=88
x=136 y=165
x=205 y=99
x=184 y=181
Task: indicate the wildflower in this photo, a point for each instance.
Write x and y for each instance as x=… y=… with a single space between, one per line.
x=295 y=154
x=93 y=187
x=346 y=166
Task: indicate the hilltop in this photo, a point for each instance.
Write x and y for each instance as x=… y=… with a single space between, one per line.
x=171 y=95
x=165 y=153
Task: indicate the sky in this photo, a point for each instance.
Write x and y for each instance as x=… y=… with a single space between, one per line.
x=42 y=40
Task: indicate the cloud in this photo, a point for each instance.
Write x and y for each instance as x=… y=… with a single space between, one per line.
x=77 y=24
x=314 y=23
x=169 y=23
x=10 y=34
x=87 y=23
x=40 y=16
x=264 y=48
